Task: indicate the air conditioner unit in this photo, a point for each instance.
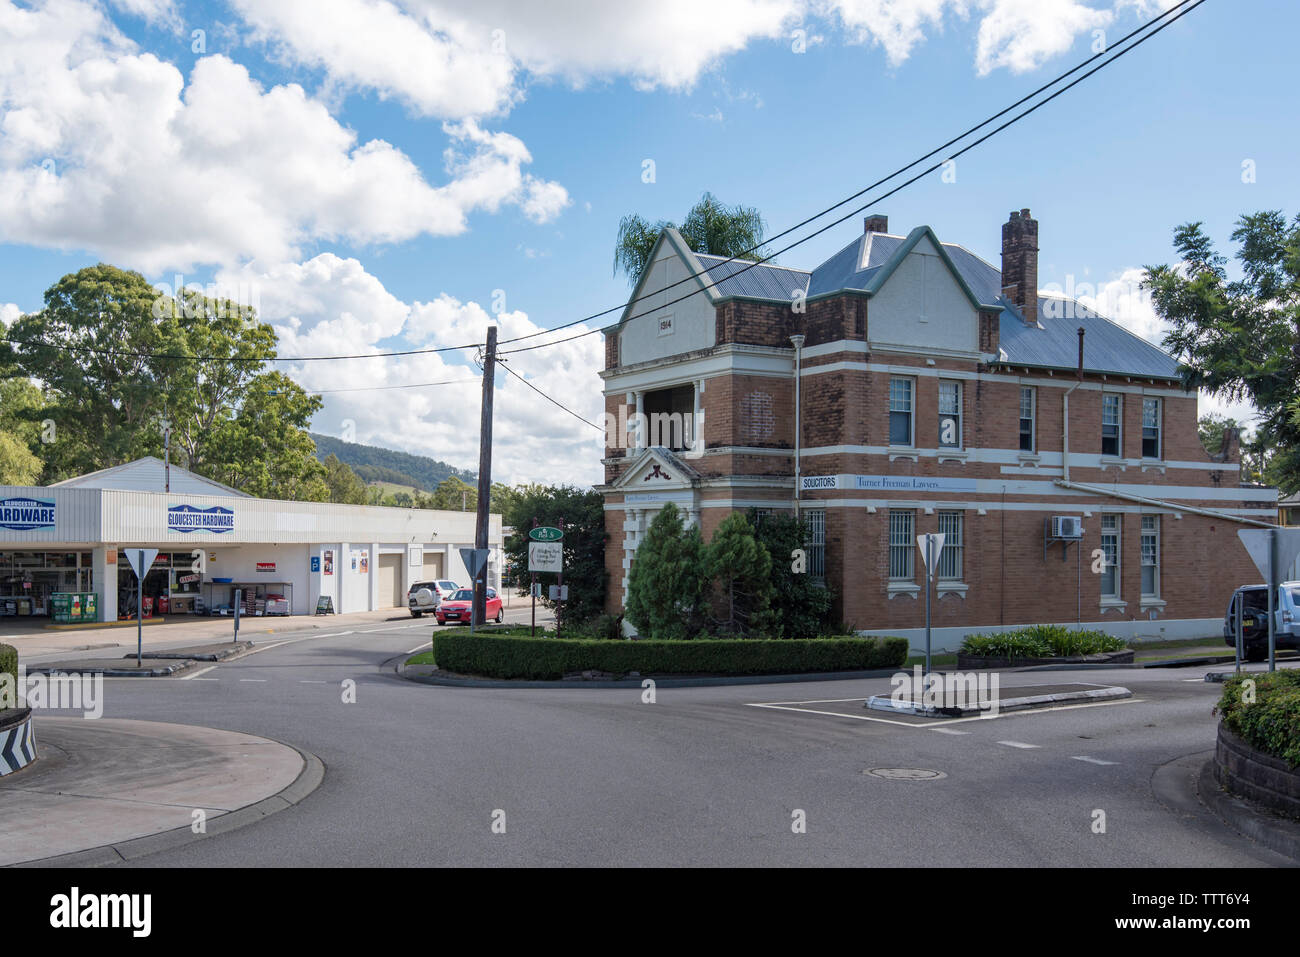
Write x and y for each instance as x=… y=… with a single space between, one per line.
x=1067 y=526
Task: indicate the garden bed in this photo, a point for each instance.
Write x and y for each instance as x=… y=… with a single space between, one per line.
x=967 y=662
x=509 y=657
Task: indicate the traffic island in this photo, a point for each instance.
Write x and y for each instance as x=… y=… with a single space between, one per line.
x=969 y=701
x=114 y=790
x=216 y=652
x=116 y=667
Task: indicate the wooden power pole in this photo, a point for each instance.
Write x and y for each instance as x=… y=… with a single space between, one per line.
x=484 y=474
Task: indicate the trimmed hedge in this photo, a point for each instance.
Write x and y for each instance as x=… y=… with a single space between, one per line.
x=8 y=664
x=1041 y=641
x=551 y=658
x=1272 y=722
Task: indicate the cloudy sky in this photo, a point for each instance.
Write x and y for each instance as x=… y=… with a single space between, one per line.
x=381 y=175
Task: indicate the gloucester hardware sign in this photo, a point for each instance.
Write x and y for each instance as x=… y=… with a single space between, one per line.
x=26 y=514
x=187 y=518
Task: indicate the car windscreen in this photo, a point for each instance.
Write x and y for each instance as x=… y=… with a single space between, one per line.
x=464 y=594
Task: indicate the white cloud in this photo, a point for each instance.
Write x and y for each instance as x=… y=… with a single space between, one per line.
x=330 y=305
x=894 y=25
x=108 y=149
x=1022 y=35
x=9 y=312
x=1123 y=300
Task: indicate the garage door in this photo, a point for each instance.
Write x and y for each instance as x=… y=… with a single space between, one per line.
x=432 y=567
x=390 y=581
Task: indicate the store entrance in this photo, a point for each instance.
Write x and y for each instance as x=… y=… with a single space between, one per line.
x=170 y=586
x=29 y=580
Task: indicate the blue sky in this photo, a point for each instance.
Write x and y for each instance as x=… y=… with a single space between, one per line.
x=300 y=156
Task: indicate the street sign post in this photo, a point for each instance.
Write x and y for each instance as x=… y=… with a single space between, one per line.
x=140 y=560
x=931 y=548
x=1271 y=549
x=545 y=533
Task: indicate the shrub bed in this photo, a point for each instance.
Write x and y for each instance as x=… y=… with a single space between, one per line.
x=1271 y=723
x=8 y=666
x=1041 y=641
x=543 y=659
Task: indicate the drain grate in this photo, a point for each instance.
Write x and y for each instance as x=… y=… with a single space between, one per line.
x=905 y=774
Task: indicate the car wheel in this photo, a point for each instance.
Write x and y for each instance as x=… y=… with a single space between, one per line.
x=1256 y=652
x=415 y=614
x=500 y=616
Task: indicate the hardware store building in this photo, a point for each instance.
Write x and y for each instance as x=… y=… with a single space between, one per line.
x=70 y=537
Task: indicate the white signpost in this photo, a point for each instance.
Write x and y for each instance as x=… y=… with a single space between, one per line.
x=931 y=548
x=1272 y=550
x=545 y=557
x=141 y=560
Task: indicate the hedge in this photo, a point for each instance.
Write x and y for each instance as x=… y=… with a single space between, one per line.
x=1272 y=722
x=552 y=658
x=8 y=665
x=1041 y=641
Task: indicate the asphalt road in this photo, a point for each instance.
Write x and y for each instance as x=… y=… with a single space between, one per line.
x=416 y=774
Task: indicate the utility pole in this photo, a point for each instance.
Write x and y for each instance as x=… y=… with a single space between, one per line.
x=479 y=611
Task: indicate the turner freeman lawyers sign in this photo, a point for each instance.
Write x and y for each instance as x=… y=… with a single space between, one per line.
x=886 y=483
x=26 y=514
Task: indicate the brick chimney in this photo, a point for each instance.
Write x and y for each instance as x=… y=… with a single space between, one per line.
x=1020 y=263
x=876 y=223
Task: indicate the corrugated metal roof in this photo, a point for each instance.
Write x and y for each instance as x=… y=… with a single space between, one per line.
x=148 y=474
x=1054 y=343
x=763 y=281
x=1108 y=347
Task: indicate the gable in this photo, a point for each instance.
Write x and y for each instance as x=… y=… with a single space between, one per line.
x=655 y=327
x=920 y=303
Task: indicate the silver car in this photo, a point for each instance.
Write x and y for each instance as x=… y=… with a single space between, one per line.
x=426 y=596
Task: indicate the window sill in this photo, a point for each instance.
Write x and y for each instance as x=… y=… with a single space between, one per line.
x=1151 y=602
x=1029 y=458
x=1153 y=465
x=903 y=452
x=1117 y=603
x=910 y=589
x=952 y=588
x=954 y=455
x=1114 y=460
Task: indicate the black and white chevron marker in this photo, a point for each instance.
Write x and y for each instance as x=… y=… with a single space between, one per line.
x=17 y=745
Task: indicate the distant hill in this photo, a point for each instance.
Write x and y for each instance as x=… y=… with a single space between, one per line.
x=375 y=464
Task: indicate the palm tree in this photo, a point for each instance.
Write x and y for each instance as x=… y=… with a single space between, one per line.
x=710 y=227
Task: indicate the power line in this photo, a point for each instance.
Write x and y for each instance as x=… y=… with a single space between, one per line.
x=880 y=182
x=549 y=399
x=382 y=388
x=1111 y=54
x=925 y=172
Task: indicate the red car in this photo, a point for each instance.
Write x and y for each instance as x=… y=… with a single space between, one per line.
x=456 y=608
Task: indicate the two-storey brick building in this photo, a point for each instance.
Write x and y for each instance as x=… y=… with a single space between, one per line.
x=935 y=392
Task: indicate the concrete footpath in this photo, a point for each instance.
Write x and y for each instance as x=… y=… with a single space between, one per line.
x=109 y=790
x=34 y=643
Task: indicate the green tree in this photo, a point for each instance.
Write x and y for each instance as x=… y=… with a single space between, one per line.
x=101 y=402
x=17 y=464
x=740 y=573
x=455 y=495
x=710 y=227
x=264 y=449
x=581 y=512
x=666 y=585
x=344 y=485
x=1241 y=338
x=803 y=606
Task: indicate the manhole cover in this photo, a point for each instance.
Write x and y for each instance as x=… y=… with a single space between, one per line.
x=906 y=774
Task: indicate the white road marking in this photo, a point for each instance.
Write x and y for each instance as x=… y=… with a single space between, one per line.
x=305 y=681
x=1018 y=744
x=202 y=679
x=201 y=672
x=253 y=679
x=1084 y=757
x=420 y=647
x=833 y=714
x=948 y=730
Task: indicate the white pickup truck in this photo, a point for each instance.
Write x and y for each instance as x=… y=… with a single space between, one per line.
x=1286 y=619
